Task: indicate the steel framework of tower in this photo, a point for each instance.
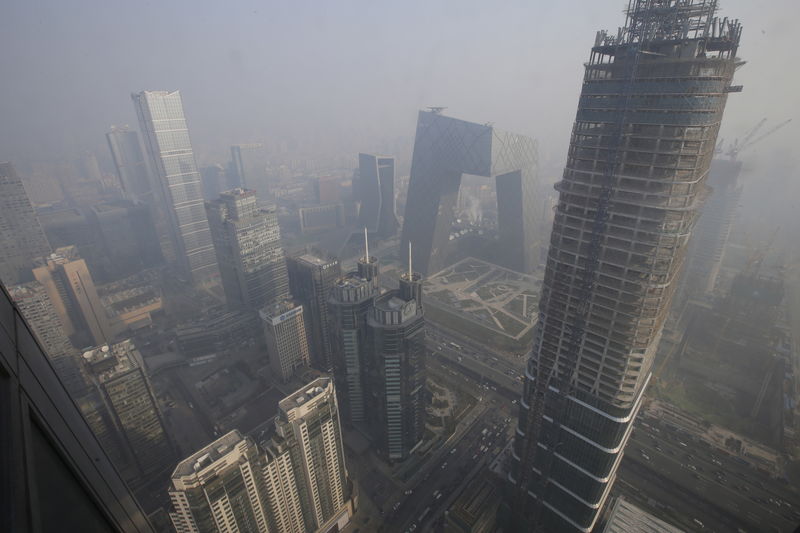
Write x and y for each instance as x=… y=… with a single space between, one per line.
x=644 y=135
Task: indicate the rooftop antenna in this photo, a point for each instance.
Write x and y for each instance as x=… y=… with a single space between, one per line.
x=410 y=272
x=366 y=245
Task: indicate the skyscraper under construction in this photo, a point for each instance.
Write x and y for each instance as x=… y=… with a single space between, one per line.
x=649 y=113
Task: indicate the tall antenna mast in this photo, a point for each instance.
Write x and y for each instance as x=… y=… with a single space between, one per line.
x=366 y=246
x=410 y=272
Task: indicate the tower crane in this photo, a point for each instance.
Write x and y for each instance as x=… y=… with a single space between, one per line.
x=748 y=140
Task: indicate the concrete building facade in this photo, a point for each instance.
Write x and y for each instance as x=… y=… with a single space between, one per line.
x=285 y=333
x=247 y=241
x=21 y=237
x=649 y=112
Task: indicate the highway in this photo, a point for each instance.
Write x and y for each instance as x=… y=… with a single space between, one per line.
x=724 y=491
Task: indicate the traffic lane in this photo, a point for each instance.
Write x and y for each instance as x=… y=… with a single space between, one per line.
x=439 y=477
x=645 y=485
x=490 y=361
x=514 y=359
x=718 y=460
x=705 y=485
x=447 y=478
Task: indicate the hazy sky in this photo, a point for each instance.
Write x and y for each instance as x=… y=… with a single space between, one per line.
x=336 y=73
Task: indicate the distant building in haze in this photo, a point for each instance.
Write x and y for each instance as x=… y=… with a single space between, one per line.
x=131 y=165
x=445 y=149
x=311 y=280
x=373 y=190
x=21 y=237
x=285 y=333
x=248 y=248
x=179 y=187
x=71 y=289
x=249 y=167
x=35 y=305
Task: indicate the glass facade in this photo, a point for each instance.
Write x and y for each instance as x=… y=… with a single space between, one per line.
x=179 y=188
x=446 y=148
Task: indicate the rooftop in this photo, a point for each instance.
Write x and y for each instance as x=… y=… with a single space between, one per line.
x=626 y=517
x=304 y=394
x=208 y=455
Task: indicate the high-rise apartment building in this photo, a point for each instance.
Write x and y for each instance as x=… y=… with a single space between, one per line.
x=445 y=149
x=308 y=424
x=131 y=165
x=311 y=280
x=650 y=109
x=350 y=304
x=247 y=241
x=178 y=185
x=285 y=333
x=21 y=237
x=373 y=189
x=292 y=480
x=117 y=370
x=396 y=369
x=219 y=489
x=35 y=305
x=71 y=289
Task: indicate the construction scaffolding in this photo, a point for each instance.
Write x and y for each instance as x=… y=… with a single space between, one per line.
x=641 y=147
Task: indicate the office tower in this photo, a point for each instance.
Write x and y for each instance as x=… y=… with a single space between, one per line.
x=56 y=476
x=445 y=149
x=117 y=370
x=349 y=304
x=396 y=369
x=178 y=184
x=220 y=488
x=311 y=279
x=308 y=424
x=373 y=190
x=71 y=289
x=35 y=305
x=285 y=333
x=247 y=241
x=644 y=136
x=249 y=167
x=21 y=237
x=321 y=217
x=131 y=166
x=710 y=236
x=215 y=181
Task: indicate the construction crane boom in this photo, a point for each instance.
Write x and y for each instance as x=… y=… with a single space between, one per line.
x=748 y=141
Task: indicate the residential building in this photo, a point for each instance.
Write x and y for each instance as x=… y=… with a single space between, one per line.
x=220 y=488
x=178 y=184
x=247 y=240
x=21 y=237
x=650 y=109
